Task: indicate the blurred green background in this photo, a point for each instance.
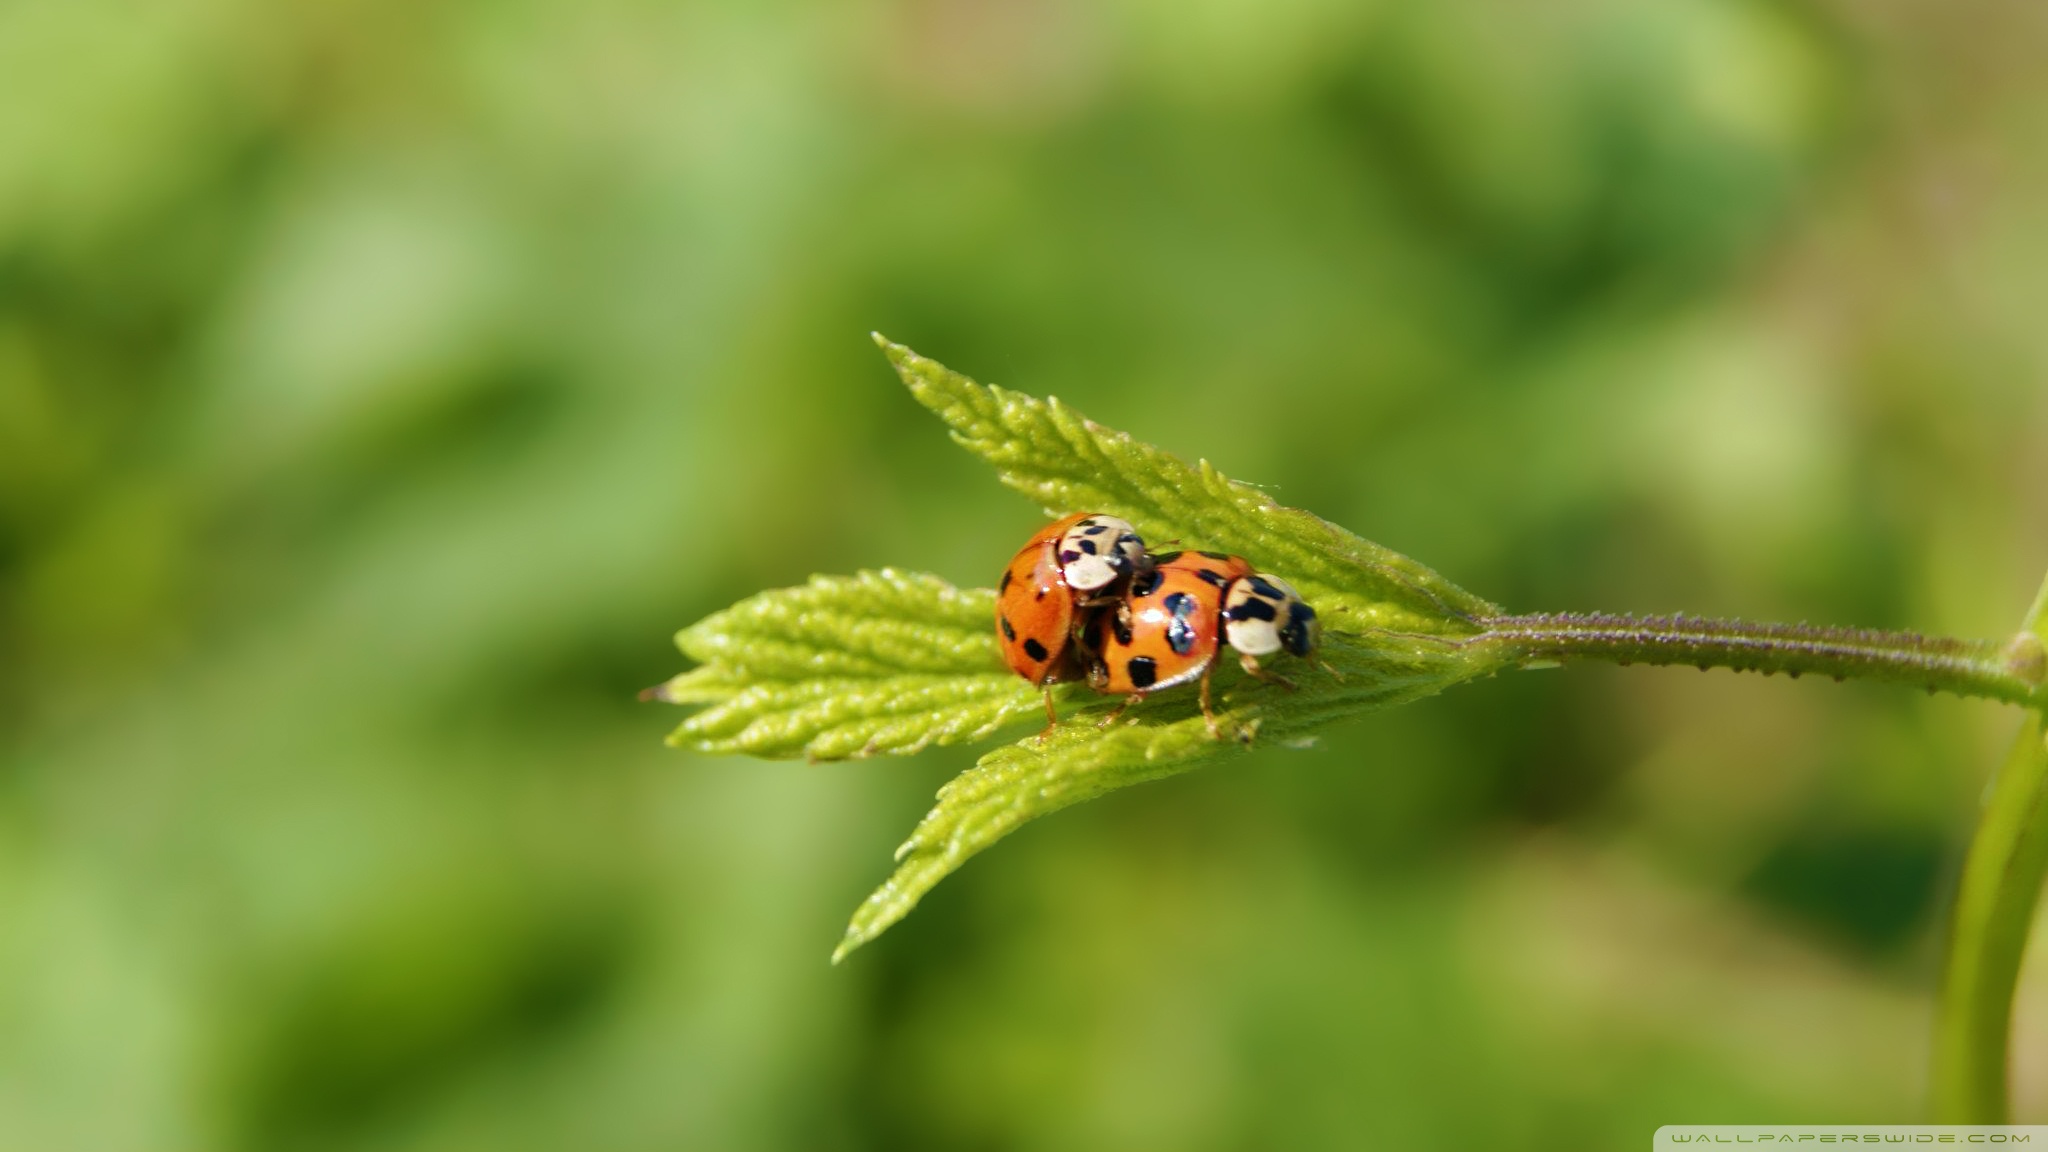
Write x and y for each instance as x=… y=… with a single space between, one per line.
x=382 y=383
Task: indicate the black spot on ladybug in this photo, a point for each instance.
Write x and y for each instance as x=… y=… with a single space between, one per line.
x=1265 y=588
x=1009 y=633
x=1166 y=557
x=1180 y=604
x=1088 y=546
x=1211 y=576
x=1216 y=555
x=1096 y=530
x=1146 y=585
x=1005 y=585
x=1142 y=671
x=1068 y=557
x=1034 y=649
x=1251 y=610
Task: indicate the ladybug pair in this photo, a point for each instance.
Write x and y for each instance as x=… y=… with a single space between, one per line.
x=1085 y=600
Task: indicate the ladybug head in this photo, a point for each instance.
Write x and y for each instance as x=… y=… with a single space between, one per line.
x=1100 y=550
x=1264 y=614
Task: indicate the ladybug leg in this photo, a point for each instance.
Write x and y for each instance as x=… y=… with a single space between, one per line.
x=1119 y=710
x=1252 y=669
x=1208 y=713
x=1052 y=718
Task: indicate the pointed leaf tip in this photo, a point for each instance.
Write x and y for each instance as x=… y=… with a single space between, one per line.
x=901 y=356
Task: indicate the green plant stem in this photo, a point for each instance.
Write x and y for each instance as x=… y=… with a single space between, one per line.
x=1988 y=928
x=2008 y=857
x=2008 y=672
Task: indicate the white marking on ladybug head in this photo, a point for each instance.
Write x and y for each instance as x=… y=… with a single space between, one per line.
x=1252 y=637
x=1087 y=573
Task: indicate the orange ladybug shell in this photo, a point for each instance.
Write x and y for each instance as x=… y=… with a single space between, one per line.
x=1169 y=627
x=1035 y=610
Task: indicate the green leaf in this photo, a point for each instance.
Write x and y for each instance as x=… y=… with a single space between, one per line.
x=1393 y=628
x=892 y=662
x=846 y=667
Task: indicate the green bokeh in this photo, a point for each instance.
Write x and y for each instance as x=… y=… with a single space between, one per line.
x=382 y=384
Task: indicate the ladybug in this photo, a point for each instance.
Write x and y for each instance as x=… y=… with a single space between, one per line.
x=1053 y=588
x=1174 y=619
